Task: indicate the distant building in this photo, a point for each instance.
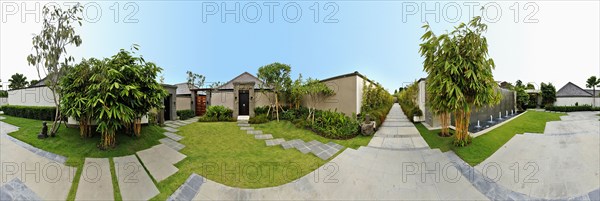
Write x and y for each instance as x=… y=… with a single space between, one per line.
x=571 y=94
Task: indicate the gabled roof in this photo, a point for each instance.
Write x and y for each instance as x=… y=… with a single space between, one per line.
x=355 y=73
x=242 y=78
x=592 y=91
x=572 y=90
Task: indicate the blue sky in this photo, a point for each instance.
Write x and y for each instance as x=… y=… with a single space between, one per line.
x=369 y=36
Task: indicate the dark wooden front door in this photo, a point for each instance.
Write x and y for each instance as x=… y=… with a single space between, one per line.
x=244 y=103
x=200 y=105
x=168 y=108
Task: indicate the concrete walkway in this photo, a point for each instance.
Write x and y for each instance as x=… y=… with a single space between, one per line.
x=48 y=179
x=397 y=132
x=562 y=163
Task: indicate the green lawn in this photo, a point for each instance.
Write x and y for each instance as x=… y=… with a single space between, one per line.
x=68 y=143
x=221 y=152
x=287 y=130
x=485 y=145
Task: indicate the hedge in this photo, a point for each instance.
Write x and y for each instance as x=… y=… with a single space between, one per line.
x=572 y=108
x=186 y=114
x=30 y=112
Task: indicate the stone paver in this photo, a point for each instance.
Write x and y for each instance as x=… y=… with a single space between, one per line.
x=243 y=125
x=134 y=182
x=16 y=190
x=188 y=190
x=159 y=161
x=173 y=136
x=274 y=142
x=172 y=130
x=171 y=143
x=263 y=136
x=175 y=126
x=95 y=182
x=254 y=132
x=247 y=128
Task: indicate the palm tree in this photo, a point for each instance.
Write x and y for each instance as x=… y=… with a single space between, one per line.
x=592 y=82
x=17 y=81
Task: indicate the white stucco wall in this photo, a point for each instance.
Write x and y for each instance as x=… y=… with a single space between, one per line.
x=38 y=96
x=570 y=101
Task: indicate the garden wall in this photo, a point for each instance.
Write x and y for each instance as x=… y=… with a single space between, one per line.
x=570 y=101
x=347 y=98
x=3 y=101
x=184 y=103
x=36 y=96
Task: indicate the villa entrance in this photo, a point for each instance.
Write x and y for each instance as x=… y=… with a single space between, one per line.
x=244 y=103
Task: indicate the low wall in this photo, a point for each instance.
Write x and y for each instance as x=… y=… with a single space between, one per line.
x=570 y=101
x=3 y=101
x=37 y=96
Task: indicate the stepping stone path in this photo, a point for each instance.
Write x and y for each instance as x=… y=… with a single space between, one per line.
x=134 y=182
x=172 y=143
x=159 y=161
x=95 y=182
x=397 y=132
x=173 y=136
x=323 y=151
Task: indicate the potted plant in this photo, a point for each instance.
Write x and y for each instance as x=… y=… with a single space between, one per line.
x=417 y=113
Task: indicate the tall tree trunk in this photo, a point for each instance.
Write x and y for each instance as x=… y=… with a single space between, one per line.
x=137 y=127
x=462 y=128
x=108 y=139
x=445 y=117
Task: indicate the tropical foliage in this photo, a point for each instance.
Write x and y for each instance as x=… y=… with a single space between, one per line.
x=407 y=98
x=317 y=92
x=217 y=113
x=115 y=92
x=459 y=64
x=548 y=92
x=276 y=77
x=186 y=114
x=58 y=32
x=376 y=101
x=335 y=125
x=17 y=81
x=593 y=82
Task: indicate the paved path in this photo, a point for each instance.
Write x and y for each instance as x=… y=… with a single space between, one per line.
x=95 y=182
x=562 y=163
x=397 y=132
x=134 y=182
x=48 y=179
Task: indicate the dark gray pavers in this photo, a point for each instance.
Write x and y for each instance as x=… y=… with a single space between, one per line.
x=188 y=190
x=172 y=130
x=172 y=144
x=287 y=145
x=255 y=132
x=175 y=126
x=335 y=145
x=52 y=156
x=17 y=190
x=263 y=136
x=173 y=136
x=243 y=125
x=274 y=142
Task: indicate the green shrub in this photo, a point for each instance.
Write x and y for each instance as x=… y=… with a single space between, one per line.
x=417 y=112
x=217 y=113
x=259 y=119
x=261 y=110
x=152 y=118
x=186 y=114
x=575 y=108
x=407 y=99
x=335 y=125
x=30 y=112
x=3 y=94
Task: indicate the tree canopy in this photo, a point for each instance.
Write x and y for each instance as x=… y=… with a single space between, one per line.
x=17 y=81
x=276 y=76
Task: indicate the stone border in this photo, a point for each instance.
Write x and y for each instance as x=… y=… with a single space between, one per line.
x=484 y=131
x=188 y=190
x=15 y=189
x=495 y=191
x=40 y=152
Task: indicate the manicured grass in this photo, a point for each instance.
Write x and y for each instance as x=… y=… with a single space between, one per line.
x=221 y=152
x=485 y=145
x=434 y=140
x=288 y=131
x=68 y=143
